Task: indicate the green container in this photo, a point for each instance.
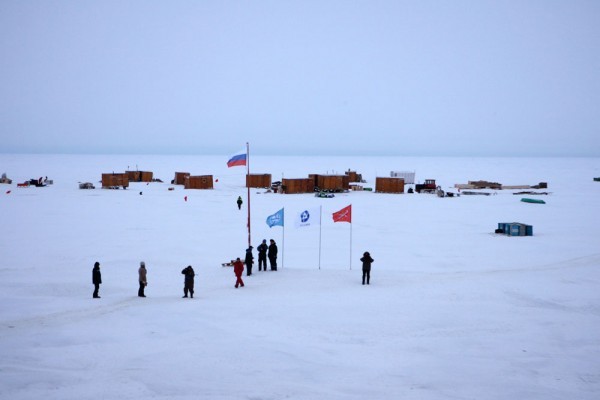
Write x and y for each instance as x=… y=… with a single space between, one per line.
x=535 y=201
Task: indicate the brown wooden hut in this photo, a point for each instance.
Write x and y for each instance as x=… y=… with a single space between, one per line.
x=389 y=185
x=199 y=182
x=115 y=180
x=334 y=183
x=258 y=180
x=299 y=185
x=139 y=176
x=180 y=178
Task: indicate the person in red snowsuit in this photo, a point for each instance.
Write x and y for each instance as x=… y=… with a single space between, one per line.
x=238 y=270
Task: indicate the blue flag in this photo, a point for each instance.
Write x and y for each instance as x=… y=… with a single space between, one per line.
x=275 y=219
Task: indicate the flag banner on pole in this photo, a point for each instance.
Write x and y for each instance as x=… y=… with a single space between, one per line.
x=238 y=159
x=308 y=217
x=275 y=219
x=344 y=215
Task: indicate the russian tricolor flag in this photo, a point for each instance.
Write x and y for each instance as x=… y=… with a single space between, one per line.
x=237 y=160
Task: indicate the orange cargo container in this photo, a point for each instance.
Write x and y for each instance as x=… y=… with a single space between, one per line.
x=389 y=185
x=258 y=180
x=199 y=182
x=300 y=185
x=115 y=180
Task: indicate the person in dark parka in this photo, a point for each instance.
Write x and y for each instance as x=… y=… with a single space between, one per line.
x=262 y=254
x=188 y=282
x=366 y=267
x=142 y=279
x=239 y=202
x=96 y=279
x=238 y=270
x=273 y=255
x=249 y=260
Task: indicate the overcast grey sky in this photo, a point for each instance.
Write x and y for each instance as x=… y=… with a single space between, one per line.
x=301 y=77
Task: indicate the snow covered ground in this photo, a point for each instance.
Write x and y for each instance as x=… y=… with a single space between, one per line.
x=453 y=311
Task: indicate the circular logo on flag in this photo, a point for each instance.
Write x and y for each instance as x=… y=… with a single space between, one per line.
x=304 y=216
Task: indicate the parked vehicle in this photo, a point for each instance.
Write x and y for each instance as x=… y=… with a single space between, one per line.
x=428 y=187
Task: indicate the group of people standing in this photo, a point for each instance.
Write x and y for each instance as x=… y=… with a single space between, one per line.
x=264 y=251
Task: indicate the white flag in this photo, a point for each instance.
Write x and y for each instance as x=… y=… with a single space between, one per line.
x=308 y=217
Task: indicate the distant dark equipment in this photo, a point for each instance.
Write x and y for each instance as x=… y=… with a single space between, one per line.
x=428 y=187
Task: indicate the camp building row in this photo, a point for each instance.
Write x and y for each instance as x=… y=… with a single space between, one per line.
x=322 y=182
x=331 y=183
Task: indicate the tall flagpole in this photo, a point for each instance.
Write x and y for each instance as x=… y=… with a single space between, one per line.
x=283 y=242
x=247 y=175
x=320 y=213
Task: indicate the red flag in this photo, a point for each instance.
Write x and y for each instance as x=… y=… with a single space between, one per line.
x=344 y=215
